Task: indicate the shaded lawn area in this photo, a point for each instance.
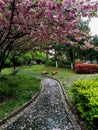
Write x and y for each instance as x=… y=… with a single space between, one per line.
x=19 y=89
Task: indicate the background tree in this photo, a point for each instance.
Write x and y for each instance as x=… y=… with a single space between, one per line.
x=51 y=21
x=92 y=53
x=95 y=42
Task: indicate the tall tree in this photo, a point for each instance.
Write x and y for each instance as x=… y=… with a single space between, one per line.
x=47 y=20
x=94 y=52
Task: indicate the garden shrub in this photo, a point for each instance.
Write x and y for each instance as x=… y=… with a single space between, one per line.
x=86 y=68
x=7 y=63
x=25 y=58
x=85 y=96
x=50 y=63
x=77 y=61
x=64 y=64
x=39 y=57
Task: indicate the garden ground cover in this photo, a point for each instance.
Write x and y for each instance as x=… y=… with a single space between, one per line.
x=19 y=89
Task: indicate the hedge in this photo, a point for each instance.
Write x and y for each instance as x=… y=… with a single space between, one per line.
x=85 y=96
x=86 y=68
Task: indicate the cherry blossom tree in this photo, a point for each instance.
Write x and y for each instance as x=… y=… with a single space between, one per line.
x=51 y=21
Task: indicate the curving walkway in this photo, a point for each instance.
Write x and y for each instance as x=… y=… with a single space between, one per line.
x=48 y=112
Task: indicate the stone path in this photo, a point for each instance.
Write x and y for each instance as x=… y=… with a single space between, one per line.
x=48 y=112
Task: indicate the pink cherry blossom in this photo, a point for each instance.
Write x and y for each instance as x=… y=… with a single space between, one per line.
x=27 y=2
x=1 y=3
x=44 y=20
x=11 y=1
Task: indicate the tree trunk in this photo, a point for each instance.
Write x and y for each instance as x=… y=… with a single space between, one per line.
x=2 y=59
x=97 y=61
x=71 y=55
x=13 y=62
x=4 y=54
x=0 y=69
x=46 y=59
x=56 y=64
x=72 y=66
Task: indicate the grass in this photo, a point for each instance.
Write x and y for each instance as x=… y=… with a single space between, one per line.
x=66 y=76
x=23 y=88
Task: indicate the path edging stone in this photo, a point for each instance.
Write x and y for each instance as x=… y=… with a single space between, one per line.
x=20 y=109
x=69 y=110
x=67 y=105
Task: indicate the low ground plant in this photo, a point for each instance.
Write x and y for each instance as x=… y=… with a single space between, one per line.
x=15 y=90
x=85 y=96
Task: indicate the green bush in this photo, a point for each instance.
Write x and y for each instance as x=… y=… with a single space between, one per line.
x=64 y=64
x=85 y=95
x=39 y=57
x=8 y=63
x=25 y=58
x=50 y=63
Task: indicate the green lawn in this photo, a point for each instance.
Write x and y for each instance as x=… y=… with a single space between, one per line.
x=23 y=87
x=66 y=76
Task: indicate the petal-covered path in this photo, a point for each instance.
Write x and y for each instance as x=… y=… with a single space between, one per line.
x=48 y=112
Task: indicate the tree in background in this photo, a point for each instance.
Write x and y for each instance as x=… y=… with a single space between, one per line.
x=42 y=20
x=92 y=53
x=95 y=42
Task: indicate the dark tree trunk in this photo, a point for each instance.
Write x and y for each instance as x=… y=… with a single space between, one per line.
x=0 y=69
x=13 y=62
x=2 y=58
x=4 y=54
x=46 y=57
x=97 y=60
x=56 y=61
x=71 y=55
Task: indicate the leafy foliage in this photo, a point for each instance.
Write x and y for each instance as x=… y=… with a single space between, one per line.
x=85 y=95
x=43 y=21
x=39 y=57
x=25 y=58
x=86 y=68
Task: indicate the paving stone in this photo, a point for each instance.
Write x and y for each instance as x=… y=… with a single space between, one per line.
x=47 y=113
